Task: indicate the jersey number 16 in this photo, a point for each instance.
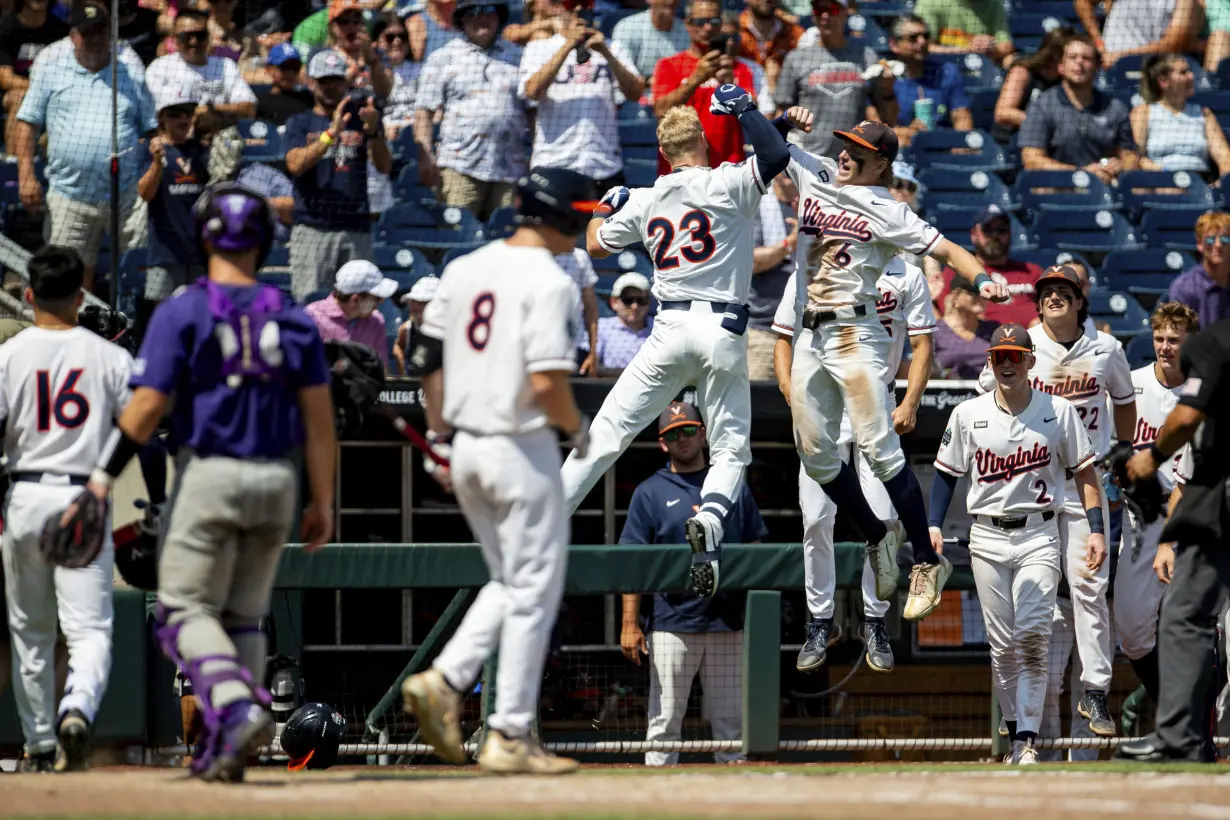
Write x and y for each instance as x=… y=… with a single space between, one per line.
x=69 y=408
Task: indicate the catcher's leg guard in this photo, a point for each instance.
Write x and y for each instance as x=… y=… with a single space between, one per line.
x=251 y=645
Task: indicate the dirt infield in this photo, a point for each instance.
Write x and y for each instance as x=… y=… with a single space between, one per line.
x=813 y=792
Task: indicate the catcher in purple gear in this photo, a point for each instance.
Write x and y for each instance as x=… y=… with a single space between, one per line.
x=247 y=370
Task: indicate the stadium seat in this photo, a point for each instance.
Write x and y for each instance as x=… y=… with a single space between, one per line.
x=624 y=262
x=1223 y=73
x=261 y=141
x=1140 y=350
x=404 y=149
x=1170 y=228
x=978 y=71
x=886 y=10
x=280 y=279
x=955 y=224
x=865 y=31
x=394 y=258
x=943 y=188
x=1028 y=26
x=634 y=110
x=1038 y=191
x=640 y=153
x=1046 y=257
x=407 y=189
x=1126 y=73
x=982 y=107
x=640 y=174
x=132 y=270
x=279 y=257
x=1064 y=10
x=500 y=225
x=1218 y=102
x=1148 y=271
x=446 y=227
x=9 y=194
x=1123 y=313
x=317 y=295
x=1092 y=231
x=1139 y=191
x=935 y=149
x=608 y=20
x=638 y=132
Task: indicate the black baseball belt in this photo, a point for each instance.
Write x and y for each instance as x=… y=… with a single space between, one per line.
x=1015 y=522
x=813 y=318
x=54 y=479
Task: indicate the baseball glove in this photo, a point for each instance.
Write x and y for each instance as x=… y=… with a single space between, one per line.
x=77 y=542
x=1144 y=497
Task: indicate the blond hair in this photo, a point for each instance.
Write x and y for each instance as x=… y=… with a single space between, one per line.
x=1176 y=315
x=1211 y=223
x=679 y=130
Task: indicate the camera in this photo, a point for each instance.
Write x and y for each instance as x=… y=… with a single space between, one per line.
x=110 y=324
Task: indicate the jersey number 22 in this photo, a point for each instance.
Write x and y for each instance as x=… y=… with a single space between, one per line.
x=67 y=407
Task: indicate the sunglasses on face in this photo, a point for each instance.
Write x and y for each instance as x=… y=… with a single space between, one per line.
x=1210 y=241
x=1012 y=356
x=903 y=185
x=478 y=11
x=179 y=112
x=996 y=228
x=687 y=432
x=350 y=20
x=394 y=36
x=192 y=37
x=701 y=22
x=916 y=36
x=634 y=301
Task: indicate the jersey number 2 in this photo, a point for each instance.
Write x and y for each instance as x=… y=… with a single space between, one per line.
x=696 y=222
x=1043 y=496
x=69 y=408
x=478 y=332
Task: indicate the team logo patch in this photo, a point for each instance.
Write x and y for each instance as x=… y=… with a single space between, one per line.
x=947 y=437
x=980 y=425
x=1139 y=391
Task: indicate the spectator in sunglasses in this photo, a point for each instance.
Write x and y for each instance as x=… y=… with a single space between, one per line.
x=286 y=95
x=393 y=41
x=991 y=237
x=349 y=37
x=929 y=94
x=1204 y=287
x=222 y=84
x=621 y=336
x=652 y=35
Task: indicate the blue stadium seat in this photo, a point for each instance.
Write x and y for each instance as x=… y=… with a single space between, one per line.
x=634 y=110
x=500 y=225
x=1223 y=73
x=1218 y=102
x=638 y=132
x=607 y=21
x=1126 y=73
x=982 y=107
x=404 y=149
x=640 y=174
x=934 y=149
x=1123 y=313
x=978 y=71
x=279 y=257
x=8 y=184
x=261 y=141
x=1092 y=231
x=280 y=279
x=132 y=270
x=863 y=30
x=452 y=255
x=1038 y=191
x=955 y=224
x=886 y=10
x=391 y=258
x=640 y=153
x=1140 y=351
x=942 y=188
x=1139 y=191
x=1046 y=257
x=317 y=295
x=1149 y=270
x=623 y=262
x=1028 y=27
x=1170 y=228
x=448 y=227
x=1064 y=10
x=407 y=190
x=407 y=215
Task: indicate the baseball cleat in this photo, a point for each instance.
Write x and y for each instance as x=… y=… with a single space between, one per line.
x=875 y=641
x=1028 y=755
x=1013 y=757
x=821 y=634
x=1093 y=707
x=704 y=535
x=883 y=559
x=926 y=584
x=42 y=763
x=437 y=707
x=246 y=727
x=507 y=755
x=74 y=734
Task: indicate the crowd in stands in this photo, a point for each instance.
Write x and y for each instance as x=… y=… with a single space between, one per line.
x=393 y=133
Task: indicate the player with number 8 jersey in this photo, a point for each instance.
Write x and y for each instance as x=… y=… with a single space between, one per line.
x=61 y=388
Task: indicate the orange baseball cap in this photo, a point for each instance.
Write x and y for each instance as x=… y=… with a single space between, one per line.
x=338 y=7
x=1011 y=337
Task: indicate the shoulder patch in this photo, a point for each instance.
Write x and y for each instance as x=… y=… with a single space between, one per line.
x=947 y=437
x=980 y=425
x=1139 y=391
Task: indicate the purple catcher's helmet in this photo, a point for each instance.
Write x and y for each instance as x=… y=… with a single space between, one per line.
x=234 y=218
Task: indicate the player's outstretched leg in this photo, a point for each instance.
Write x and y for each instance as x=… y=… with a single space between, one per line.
x=819 y=576
x=874 y=634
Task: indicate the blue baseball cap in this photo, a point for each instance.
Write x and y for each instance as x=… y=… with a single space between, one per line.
x=990 y=214
x=284 y=53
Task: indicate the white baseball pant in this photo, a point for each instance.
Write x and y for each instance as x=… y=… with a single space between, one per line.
x=1063 y=639
x=674 y=660
x=686 y=347
x=1138 y=592
x=1016 y=573
x=37 y=594
x=819 y=516
x=1090 y=610
x=843 y=367
x=509 y=490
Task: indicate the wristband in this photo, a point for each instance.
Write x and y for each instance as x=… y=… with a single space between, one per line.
x=1096 y=522
x=983 y=279
x=116 y=453
x=1159 y=458
x=326 y=139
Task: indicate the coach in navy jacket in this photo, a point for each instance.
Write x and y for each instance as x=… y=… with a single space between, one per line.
x=686 y=634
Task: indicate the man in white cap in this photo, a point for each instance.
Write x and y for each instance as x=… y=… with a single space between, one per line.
x=621 y=336
x=415 y=302
x=349 y=314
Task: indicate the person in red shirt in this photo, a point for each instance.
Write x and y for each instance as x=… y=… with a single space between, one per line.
x=691 y=77
x=992 y=237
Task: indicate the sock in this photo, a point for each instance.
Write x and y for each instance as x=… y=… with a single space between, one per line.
x=1028 y=737
x=1146 y=669
x=849 y=498
x=1011 y=729
x=907 y=499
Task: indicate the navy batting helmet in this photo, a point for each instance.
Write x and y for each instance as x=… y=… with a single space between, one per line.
x=234 y=218
x=558 y=198
x=312 y=736
x=500 y=7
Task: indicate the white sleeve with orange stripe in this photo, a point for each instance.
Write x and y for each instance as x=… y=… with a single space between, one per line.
x=627 y=227
x=955 y=453
x=786 y=319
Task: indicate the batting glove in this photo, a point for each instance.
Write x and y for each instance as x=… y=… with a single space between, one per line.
x=612 y=201
x=730 y=99
x=579 y=439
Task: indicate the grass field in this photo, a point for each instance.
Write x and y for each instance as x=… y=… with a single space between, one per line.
x=857 y=792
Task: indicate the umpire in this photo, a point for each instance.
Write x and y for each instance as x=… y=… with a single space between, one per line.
x=247 y=370
x=1201 y=576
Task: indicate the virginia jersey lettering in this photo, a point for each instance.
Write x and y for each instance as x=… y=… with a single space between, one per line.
x=1154 y=401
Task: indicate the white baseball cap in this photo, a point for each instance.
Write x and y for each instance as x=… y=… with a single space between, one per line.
x=361 y=276
x=903 y=170
x=327 y=63
x=424 y=290
x=632 y=279
x=185 y=91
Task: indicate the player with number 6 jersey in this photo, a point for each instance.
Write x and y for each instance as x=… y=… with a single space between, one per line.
x=697 y=224
x=61 y=389
x=1016 y=445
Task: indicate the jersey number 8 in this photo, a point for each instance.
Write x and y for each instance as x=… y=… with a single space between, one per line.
x=478 y=332
x=69 y=408
x=698 y=224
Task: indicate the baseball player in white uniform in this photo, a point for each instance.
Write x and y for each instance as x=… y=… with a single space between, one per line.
x=1016 y=445
x=496 y=354
x=61 y=388
x=1085 y=368
x=1138 y=592
x=697 y=224
x=842 y=349
x=904 y=308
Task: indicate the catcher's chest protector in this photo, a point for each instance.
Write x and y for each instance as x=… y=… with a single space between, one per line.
x=249 y=337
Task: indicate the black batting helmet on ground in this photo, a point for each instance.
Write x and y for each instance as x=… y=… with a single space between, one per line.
x=312 y=736
x=558 y=198
x=500 y=6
